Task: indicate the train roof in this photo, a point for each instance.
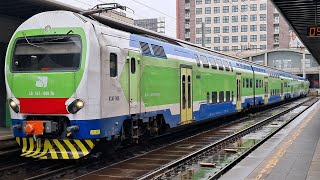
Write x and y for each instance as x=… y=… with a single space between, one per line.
x=123 y=26
x=120 y=25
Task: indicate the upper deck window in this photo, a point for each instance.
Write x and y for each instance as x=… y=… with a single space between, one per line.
x=49 y=53
x=145 y=48
x=205 y=61
x=158 y=51
x=220 y=65
x=213 y=63
x=197 y=59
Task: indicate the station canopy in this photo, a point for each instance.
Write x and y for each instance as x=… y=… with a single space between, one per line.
x=14 y=12
x=301 y=15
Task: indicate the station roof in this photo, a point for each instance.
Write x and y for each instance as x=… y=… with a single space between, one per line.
x=300 y=14
x=24 y=9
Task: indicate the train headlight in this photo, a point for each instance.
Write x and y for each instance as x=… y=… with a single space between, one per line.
x=14 y=105
x=75 y=106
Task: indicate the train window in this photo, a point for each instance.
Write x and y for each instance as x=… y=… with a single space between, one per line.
x=220 y=65
x=231 y=66
x=257 y=83
x=47 y=53
x=214 y=97
x=158 y=51
x=232 y=96
x=113 y=65
x=250 y=83
x=133 y=65
x=213 y=63
x=208 y=97
x=189 y=92
x=145 y=48
x=197 y=59
x=221 y=96
x=247 y=83
x=205 y=61
x=184 y=92
x=227 y=96
x=226 y=65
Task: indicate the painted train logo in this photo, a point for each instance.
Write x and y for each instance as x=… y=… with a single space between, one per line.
x=42 y=81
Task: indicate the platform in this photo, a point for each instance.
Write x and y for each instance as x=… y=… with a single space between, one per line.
x=291 y=154
x=5 y=134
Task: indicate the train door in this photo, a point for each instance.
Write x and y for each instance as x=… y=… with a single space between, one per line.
x=281 y=90
x=291 y=88
x=266 y=90
x=238 y=103
x=186 y=102
x=134 y=66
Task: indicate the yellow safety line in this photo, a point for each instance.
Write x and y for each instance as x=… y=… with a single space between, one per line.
x=89 y=142
x=63 y=151
x=72 y=148
x=9 y=135
x=82 y=147
x=278 y=155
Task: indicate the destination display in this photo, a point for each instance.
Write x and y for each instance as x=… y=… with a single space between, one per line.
x=313 y=31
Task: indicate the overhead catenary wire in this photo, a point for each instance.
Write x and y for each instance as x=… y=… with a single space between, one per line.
x=169 y=28
x=154 y=9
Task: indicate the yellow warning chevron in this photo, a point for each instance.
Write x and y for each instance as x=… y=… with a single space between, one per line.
x=56 y=148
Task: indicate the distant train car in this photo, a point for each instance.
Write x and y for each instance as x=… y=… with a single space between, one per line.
x=74 y=82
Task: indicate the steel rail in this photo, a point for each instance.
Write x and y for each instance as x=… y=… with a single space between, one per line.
x=247 y=152
x=215 y=145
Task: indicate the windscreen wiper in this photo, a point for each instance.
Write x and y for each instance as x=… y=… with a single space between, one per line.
x=25 y=37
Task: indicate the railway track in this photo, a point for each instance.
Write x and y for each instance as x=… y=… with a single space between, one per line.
x=173 y=158
x=156 y=160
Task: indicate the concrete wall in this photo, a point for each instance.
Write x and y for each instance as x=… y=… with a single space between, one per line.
x=293 y=56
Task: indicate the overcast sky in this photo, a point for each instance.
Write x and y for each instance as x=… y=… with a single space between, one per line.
x=166 y=8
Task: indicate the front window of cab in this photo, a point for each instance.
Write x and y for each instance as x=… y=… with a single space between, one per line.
x=48 y=53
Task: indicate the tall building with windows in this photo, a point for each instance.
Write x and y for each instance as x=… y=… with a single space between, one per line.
x=235 y=26
x=154 y=24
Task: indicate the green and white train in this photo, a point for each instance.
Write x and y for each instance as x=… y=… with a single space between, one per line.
x=72 y=81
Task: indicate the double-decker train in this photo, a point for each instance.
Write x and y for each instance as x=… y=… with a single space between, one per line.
x=72 y=81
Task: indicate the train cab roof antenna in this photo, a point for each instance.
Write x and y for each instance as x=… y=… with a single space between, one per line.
x=105 y=7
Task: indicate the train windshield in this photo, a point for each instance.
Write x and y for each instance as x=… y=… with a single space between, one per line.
x=55 y=53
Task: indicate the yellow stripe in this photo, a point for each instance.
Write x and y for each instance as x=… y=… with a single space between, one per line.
x=18 y=140
x=35 y=153
x=31 y=149
x=89 y=142
x=53 y=153
x=62 y=149
x=82 y=147
x=72 y=148
x=43 y=153
x=44 y=157
x=24 y=144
